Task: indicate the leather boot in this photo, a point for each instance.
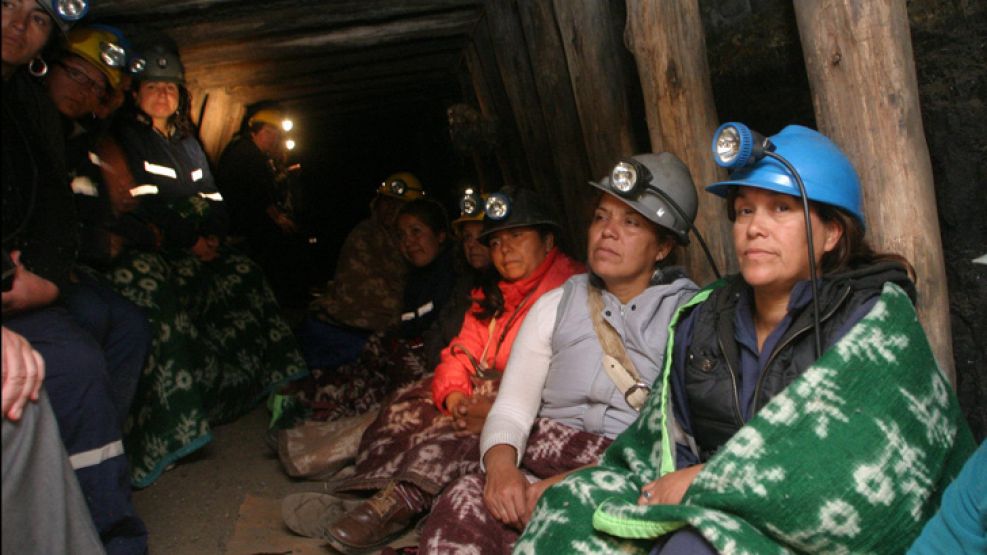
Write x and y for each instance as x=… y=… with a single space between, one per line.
x=372 y=524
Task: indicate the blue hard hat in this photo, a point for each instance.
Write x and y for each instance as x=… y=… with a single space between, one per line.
x=828 y=175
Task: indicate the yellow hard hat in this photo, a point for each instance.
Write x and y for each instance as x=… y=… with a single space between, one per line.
x=403 y=186
x=470 y=209
x=269 y=116
x=91 y=44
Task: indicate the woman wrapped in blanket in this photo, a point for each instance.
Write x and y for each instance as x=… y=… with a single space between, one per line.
x=220 y=343
x=428 y=434
x=559 y=405
x=737 y=347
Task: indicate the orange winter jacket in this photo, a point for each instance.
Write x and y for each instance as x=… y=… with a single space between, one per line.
x=455 y=368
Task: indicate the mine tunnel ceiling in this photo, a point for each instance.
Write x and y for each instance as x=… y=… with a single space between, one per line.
x=317 y=58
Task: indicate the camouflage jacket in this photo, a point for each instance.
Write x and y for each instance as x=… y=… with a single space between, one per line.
x=367 y=290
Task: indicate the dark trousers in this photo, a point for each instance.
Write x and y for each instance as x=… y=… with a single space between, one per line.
x=121 y=329
x=79 y=389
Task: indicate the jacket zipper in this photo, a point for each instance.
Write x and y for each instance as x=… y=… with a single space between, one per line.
x=733 y=383
x=793 y=337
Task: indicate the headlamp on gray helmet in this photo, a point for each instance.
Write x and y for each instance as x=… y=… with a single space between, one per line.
x=498 y=206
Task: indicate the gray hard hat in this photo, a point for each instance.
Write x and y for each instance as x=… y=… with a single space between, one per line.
x=162 y=64
x=525 y=209
x=670 y=184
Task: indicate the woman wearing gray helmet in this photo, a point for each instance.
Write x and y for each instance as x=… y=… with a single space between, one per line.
x=781 y=446
x=584 y=361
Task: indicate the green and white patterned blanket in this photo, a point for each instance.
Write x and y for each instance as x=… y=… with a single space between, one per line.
x=851 y=458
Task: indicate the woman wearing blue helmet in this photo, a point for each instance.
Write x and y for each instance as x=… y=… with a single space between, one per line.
x=776 y=443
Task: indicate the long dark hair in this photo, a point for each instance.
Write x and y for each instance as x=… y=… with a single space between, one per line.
x=492 y=304
x=852 y=250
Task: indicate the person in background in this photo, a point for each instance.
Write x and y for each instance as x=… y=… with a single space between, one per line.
x=366 y=293
x=246 y=175
x=560 y=404
x=393 y=358
x=80 y=83
x=428 y=434
x=221 y=345
x=39 y=236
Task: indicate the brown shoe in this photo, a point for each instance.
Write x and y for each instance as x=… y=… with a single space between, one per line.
x=372 y=524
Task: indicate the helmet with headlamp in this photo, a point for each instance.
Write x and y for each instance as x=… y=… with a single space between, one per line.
x=471 y=208
x=163 y=64
x=659 y=187
x=65 y=13
x=403 y=186
x=510 y=208
x=105 y=47
x=828 y=175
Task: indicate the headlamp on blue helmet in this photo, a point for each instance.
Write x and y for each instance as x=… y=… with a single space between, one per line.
x=470 y=204
x=735 y=145
x=498 y=206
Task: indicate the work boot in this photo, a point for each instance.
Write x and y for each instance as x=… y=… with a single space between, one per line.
x=372 y=524
x=308 y=514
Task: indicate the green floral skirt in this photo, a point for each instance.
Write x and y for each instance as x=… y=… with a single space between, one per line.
x=220 y=346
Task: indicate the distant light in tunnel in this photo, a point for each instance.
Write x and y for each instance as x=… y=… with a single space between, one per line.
x=287 y=124
x=290 y=144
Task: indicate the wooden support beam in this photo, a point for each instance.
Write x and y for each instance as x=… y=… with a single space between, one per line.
x=597 y=62
x=495 y=105
x=862 y=73
x=514 y=66
x=220 y=121
x=556 y=104
x=669 y=46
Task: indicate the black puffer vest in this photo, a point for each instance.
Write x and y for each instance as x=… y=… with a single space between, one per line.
x=712 y=363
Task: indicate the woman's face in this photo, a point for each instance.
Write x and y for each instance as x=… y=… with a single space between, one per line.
x=769 y=237
x=76 y=87
x=158 y=99
x=623 y=245
x=419 y=243
x=26 y=28
x=518 y=251
x=477 y=254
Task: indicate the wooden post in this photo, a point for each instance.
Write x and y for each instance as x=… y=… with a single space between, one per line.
x=493 y=104
x=220 y=121
x=512 y=54
x=669 y=46
x=596 y=57
x=859 y=60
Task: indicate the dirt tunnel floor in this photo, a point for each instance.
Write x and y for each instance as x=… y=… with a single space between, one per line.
x=192 y=509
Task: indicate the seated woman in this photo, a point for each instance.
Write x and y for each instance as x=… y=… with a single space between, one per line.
x=427 y=436
x=560 y=405
x=80 y=84
x=860 y=440
x=396 y=357
x=220 y=344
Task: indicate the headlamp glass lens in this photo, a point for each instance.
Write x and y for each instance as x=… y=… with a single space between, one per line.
x=398 y=187
x=623 y=178
x=112 y=55
x=71 y=10
x=469 y=205
x=287 y=124
x=728 y=145
x=137 y=65
x=498 y=206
